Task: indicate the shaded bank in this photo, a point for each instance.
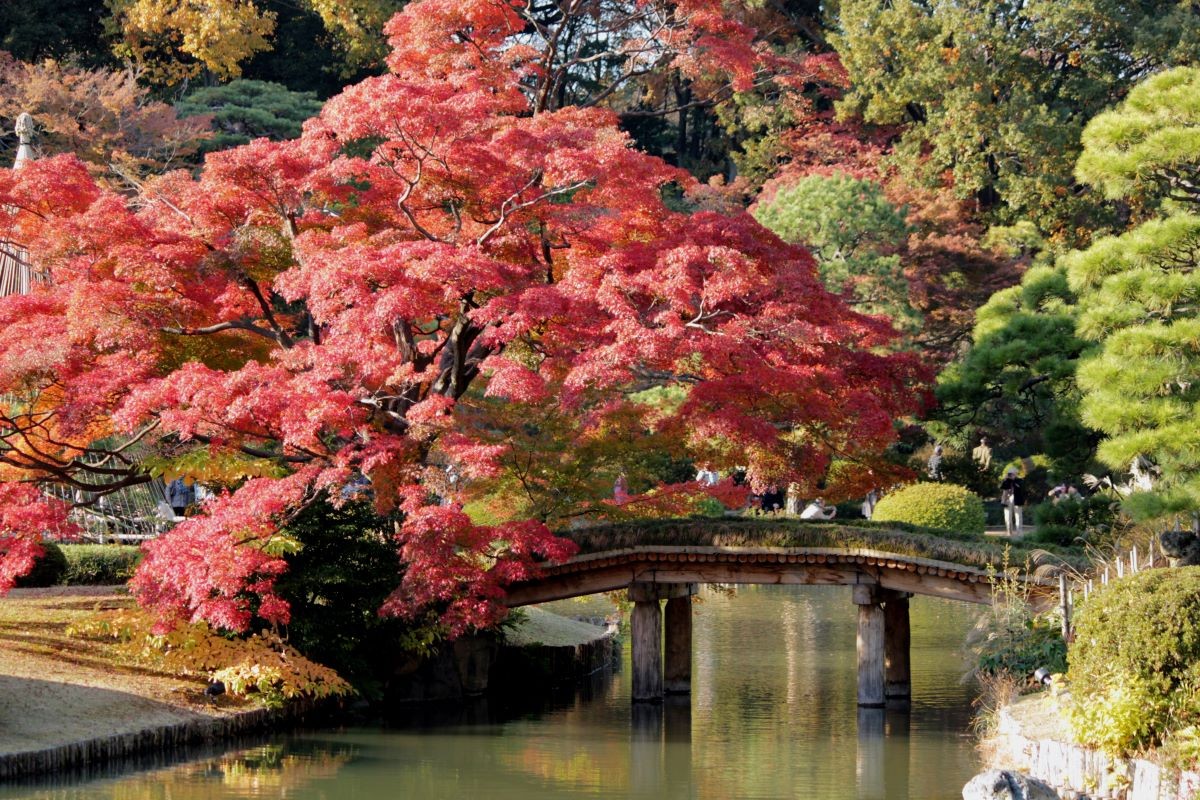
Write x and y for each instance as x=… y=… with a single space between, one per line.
x=68 y=704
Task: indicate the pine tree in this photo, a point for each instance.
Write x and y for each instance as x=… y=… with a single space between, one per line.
x=1017 y=381
x=854 y=233
x=244 y=109
x=1140 y=291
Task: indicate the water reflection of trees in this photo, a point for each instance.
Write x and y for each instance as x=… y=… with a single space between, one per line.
x=795 y=648
x=273 y=770
x=772 y=715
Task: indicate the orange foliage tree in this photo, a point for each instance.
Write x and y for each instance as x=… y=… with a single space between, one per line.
x=326 y=304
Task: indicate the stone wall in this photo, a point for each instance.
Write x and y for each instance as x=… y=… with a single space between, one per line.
x=474 y=665
x=1025 y=743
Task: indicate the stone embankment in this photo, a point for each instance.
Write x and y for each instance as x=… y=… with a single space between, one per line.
x=545 y=649
x=154 y=737
x=1032 y=738
x=68 y=703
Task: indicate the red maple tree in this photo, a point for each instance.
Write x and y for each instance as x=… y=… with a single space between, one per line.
x=320 y=305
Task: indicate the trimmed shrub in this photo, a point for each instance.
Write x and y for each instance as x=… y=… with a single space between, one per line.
x=1069 y=519
x=943 y=506
x=100 y=564
x=1134 y=668
x=344 y=569
x=48 y=570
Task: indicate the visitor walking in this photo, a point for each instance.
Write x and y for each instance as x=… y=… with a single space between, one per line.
x=982 y=455
x=1012 y=496
x=621 y=490
x=935 y=463
x=180 y=495
x=868 y=505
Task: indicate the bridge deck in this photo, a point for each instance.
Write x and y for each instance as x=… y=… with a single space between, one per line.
x=773 y=552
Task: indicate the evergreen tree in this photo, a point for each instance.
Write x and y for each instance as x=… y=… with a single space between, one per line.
x=854 y=233
x=1017 y=382
x=997 y=91
x=244 y=109
x=1140 y=291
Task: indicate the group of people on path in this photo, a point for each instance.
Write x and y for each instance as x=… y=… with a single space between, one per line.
x=774 y=499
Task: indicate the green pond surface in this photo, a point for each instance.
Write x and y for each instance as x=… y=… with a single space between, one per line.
x=772 y=715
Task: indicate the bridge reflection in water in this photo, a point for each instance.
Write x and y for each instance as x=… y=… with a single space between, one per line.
x=658 y=572
x=873 y=753
x=773 y=715
x=661 y=751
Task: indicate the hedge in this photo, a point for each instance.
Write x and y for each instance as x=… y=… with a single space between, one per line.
x=943 y=506
x=48 y=570
x=99 y=564
x=1133 y=668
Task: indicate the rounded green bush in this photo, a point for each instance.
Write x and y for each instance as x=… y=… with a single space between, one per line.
x=933 y=505
x=48 y=570
x=1134 y=668
x=100 y=564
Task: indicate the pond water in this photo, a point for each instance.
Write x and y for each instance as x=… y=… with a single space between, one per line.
x=772 y=715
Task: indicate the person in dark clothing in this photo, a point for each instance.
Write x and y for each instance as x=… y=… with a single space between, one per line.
x=772 y=500
x=1012 y=495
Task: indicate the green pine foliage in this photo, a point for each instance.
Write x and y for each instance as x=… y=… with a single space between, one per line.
x=243 y=110
x=1139 y=293
x=1017 y=381
x=943 y=506
x=1148 y=148
x=853 y=232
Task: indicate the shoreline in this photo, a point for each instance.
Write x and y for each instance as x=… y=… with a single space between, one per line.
x=67 y=702
x=1032 y=738
x=67 y=705
x=159 y=739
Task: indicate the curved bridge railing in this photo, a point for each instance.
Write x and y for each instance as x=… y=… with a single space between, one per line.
x=884 y=565
x=748 y=550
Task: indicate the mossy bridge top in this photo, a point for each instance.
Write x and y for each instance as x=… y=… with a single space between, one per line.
x=789 y=551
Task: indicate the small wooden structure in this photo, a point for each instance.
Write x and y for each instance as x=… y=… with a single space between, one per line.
x=130 y=514
x=881 y=585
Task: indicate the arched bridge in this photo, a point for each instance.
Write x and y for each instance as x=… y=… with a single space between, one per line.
x=658 y=560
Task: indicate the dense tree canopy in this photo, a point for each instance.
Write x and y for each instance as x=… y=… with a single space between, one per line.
x=1017 y=382
x=319 y=308
x=997 y=92
x=855 y=235
x=34 y=30
x=1138 y=291
x=242 y=110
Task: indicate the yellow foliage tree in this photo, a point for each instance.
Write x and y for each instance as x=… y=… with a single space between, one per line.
x=172 y=40
x=357 y=25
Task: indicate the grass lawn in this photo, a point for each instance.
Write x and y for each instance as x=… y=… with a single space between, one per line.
x=56 y=689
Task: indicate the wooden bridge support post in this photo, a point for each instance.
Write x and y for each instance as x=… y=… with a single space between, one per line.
x=646 y=633
x=896 y=645
x=870 y=646
x=677 y=662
